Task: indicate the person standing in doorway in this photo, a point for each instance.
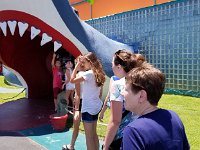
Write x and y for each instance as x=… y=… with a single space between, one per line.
x=69 y=87
x=77 y=110
x=57 y=78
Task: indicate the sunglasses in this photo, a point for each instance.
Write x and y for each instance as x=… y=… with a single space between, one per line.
x=137 y=86
x=122 y=61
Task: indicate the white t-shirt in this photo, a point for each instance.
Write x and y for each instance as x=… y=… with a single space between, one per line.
x=116 y=89
x=91 y=102
x=116 y=95
x=112 y=79
x=69 y=85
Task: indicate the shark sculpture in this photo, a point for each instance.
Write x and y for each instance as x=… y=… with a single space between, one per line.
x=31 y=30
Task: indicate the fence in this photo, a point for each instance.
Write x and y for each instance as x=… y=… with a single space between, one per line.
x=169 y=37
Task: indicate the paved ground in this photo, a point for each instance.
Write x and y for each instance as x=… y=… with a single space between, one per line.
x=40 y=138
x=53 y=140
x=15 y=141
x=25 y=113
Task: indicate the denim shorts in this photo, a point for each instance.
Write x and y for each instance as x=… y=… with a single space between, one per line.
x=86 y=117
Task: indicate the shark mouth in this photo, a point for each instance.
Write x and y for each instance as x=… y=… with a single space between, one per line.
x=26 y=45
x=27 y=22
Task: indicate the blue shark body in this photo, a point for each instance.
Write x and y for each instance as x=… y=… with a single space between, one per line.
x=93 y=40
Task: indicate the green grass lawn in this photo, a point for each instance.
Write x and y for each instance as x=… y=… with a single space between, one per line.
x=188 y=108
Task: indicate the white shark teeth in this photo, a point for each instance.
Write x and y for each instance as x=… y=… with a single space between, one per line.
x=22 y=28
x=12 y=26
x=57 y=45
x=3 y=26
x=45 y=39
x=34 y=32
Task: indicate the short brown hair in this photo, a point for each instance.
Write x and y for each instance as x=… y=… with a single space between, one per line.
x=148 y=78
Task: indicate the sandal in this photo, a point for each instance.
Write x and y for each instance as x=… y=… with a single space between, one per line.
x=67 y=147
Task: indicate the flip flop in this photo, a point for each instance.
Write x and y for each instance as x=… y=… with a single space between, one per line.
x=66 y=147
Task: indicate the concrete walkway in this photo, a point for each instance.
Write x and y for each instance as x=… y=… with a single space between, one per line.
x=15 y=141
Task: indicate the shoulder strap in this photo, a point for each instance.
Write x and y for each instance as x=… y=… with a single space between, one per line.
x=125 y=113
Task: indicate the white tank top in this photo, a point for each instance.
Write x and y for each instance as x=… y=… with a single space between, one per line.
x=69 y=85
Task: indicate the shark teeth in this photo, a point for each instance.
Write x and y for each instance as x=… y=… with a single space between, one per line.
x=12 y=26
x=3 y=26
x=45 y=39
x=57 y=45
x=23 y=27
x=34 y=32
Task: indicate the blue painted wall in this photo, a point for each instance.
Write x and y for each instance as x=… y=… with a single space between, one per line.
x=169 y=37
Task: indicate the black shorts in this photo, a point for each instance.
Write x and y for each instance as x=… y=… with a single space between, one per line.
x=86 y=117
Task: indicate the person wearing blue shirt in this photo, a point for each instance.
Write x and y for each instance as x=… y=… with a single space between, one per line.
x=155 y=128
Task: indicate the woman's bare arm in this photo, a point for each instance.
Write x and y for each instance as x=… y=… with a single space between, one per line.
x=53 y=60
x=113 y=125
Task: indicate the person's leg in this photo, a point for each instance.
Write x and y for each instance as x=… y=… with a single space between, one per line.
x=96 y=139
x=55 y=93
x=90 y=135
x=76 y=124
x=72 y=98
x=67 y=96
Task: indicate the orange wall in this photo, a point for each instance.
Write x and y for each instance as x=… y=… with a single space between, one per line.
x=163 y=1
x=84 y=10
x=107 y=7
